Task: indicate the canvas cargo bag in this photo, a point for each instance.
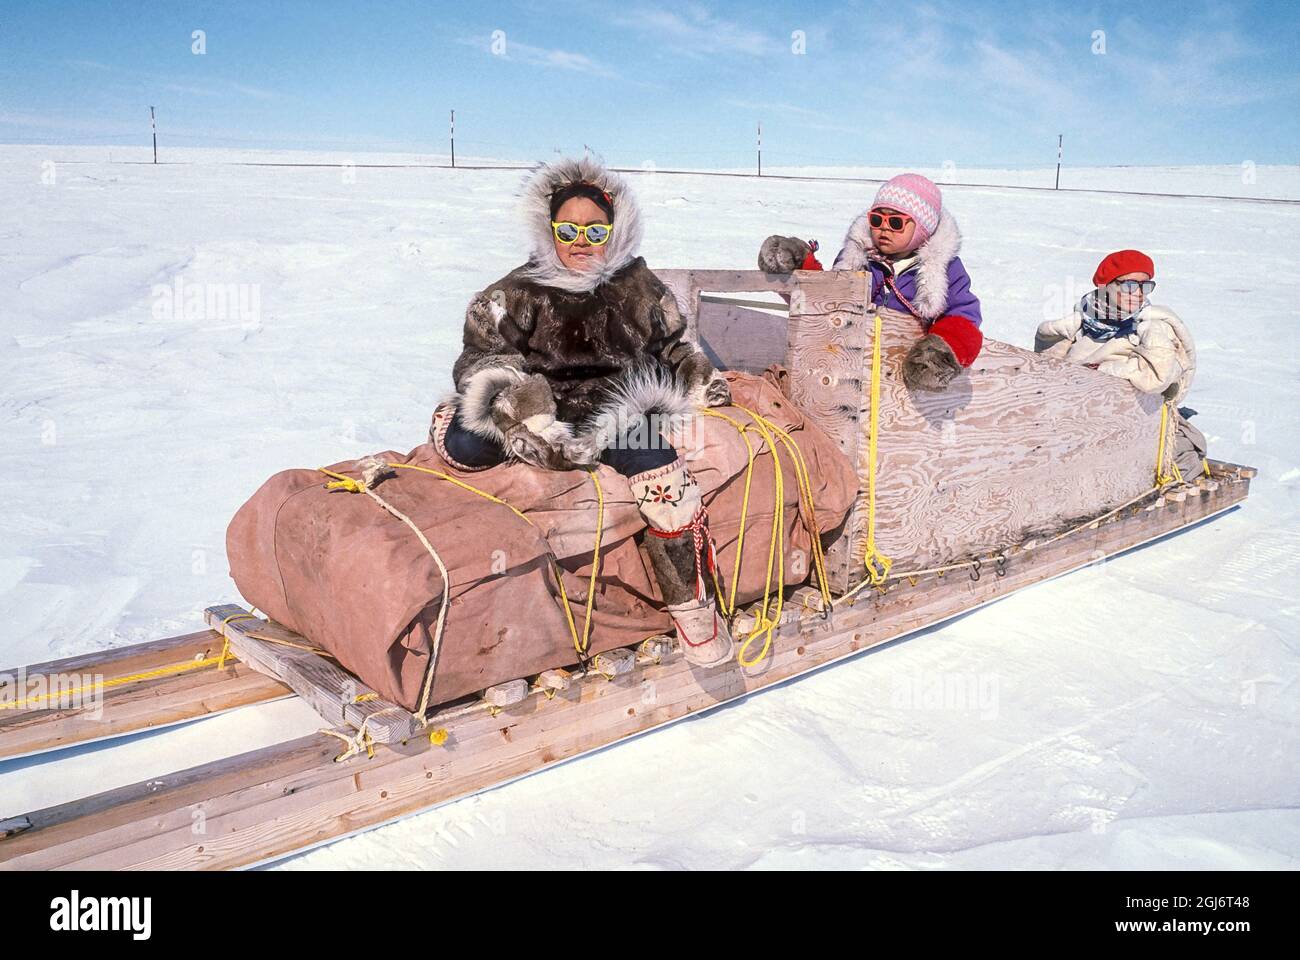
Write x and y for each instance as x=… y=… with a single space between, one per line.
x=340 y=570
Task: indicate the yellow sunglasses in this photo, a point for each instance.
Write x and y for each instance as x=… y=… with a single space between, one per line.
x=596 y=233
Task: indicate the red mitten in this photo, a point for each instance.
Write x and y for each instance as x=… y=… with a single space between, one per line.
x=811 y=262
x=960 y=334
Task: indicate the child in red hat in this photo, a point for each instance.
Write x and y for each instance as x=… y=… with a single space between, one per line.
x=1117 y=329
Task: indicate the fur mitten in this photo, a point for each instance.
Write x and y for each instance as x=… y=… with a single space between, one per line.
x=930 y=364
x=717 y=392
x=783 y=254
x=524 y=412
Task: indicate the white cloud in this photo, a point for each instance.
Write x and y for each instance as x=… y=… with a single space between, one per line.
x=551 y=58
x=697 y=32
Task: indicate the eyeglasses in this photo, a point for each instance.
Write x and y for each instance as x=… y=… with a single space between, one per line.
x=596 y=233
x=1133 y=286
x=896 y=221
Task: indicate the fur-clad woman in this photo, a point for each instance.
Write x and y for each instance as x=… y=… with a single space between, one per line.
x=581 y=356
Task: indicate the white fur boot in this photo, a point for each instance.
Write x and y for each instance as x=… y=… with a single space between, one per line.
x=703 y=632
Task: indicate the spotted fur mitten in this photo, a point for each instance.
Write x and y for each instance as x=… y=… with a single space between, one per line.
x=783 y=254
x=524 y=412
x=930 y=364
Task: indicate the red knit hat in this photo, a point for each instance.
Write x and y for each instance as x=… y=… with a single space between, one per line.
x=1121 y=262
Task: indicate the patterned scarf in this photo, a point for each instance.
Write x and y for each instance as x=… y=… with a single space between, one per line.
x=889 y=269
x=1097 y=325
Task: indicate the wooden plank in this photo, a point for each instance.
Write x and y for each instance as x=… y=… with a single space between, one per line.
x=338 y=696
x=826 y=355
x=132 y=658
x=780 y=306
x=270 y=803
x=1223 y=468
x=689 y=285
x=1019 y=444
x=738 y=337
x=731 y=281
x=105 y=707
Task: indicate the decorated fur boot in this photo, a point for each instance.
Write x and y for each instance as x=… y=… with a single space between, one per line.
x=681 y=554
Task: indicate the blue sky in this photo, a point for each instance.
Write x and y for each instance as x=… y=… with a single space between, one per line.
x=669 y=84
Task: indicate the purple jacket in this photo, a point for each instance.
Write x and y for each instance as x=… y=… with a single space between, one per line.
x=961 y=302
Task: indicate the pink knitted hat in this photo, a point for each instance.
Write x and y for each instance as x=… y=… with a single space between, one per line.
x=914 y=195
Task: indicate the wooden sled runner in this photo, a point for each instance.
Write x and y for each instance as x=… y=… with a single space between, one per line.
x=991 y=487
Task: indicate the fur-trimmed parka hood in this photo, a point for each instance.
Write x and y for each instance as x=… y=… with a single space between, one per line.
x=933 y=257
x=544 y=266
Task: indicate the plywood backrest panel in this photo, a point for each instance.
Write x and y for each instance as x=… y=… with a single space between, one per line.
x=1026 y=444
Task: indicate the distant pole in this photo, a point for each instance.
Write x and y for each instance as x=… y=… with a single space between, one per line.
x=1059 y=138
x=760 y=148
x=453 y=138
x=153 y=122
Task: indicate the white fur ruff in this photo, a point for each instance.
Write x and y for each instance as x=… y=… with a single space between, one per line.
x=642 y=393
x=475 y=402
x=931 y=299
x=544 y=266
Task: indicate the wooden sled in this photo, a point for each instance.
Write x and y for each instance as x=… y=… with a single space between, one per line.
x=381 y=764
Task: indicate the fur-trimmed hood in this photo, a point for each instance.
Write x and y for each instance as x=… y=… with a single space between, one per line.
x=544 y=266
x=933 y=256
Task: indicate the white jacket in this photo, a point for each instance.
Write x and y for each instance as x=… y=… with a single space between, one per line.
x=1158 y=357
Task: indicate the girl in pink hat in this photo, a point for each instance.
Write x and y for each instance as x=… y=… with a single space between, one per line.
x=909 y=243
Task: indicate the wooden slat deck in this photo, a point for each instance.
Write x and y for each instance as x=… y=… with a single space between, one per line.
x=269 y=803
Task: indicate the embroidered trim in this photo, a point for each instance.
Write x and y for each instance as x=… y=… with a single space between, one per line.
x=442 y=416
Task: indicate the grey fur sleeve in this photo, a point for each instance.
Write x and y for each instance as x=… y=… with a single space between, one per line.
x=489 y=337
x=677 y=350
x=490 y=361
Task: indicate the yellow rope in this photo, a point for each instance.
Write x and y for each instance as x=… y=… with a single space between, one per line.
x=729 y=604
x=119 y=681
x=768 y=619
x=225 y=645
x=808 y=506
x=877 y=564
x=1167 y=471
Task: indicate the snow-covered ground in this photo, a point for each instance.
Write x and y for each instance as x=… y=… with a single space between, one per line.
x=1143 y=713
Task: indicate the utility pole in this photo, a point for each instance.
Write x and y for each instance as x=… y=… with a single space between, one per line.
x=1059 y=138
x=453 y=138
x=154 y=123
x=760 y=148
